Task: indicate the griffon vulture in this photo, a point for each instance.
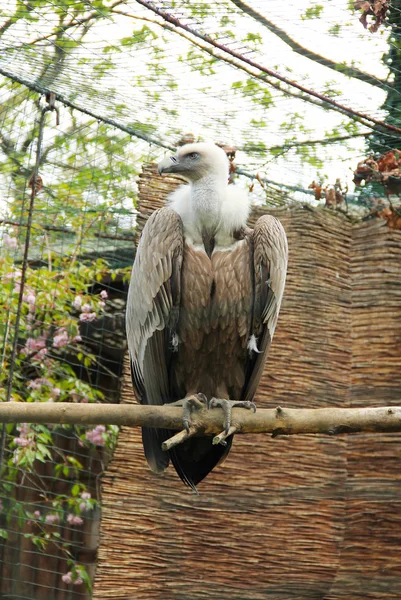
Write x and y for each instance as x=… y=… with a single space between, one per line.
x=203 y=303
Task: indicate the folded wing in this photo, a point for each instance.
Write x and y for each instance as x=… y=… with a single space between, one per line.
x=151 y=318
x=270 y=258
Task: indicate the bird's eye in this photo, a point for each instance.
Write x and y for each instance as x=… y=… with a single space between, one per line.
x=193 y=155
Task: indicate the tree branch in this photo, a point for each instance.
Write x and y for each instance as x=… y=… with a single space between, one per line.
x=60 y=29
x=277 y=421
x=226 y=59
x=354 y=114
x=322 y=60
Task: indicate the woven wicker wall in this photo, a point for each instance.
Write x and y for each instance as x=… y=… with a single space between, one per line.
x=371 y=549
x=289 y=518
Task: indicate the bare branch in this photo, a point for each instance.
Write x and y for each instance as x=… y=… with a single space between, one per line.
x=296 y=47
x=221 y=56
x=354 y=114
x=277 y=421
x=62 y=28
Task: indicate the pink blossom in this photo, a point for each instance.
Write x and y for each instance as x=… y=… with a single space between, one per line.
x=83 y=507
x=56 y=392
x=104 y=295
x=86 y=308
x=24 y=428
x=37 y=345
x=87 y=316
x=78 y=581
x=101 y=303
x=41 y=354
x=77 y=338
x=36 y=514
x=20 y=441
x=13 y=274
x=84 y=400
x=9 y=241
x=30 y=298
x=37 y=383
x=96 y=435
x=85 y=495
x=67 y=577
x=77 y=302
x=34 y=384
x=74 y=519
x=60 y=339
x=53 y=518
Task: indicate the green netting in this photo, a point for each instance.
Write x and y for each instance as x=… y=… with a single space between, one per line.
x=120 y=82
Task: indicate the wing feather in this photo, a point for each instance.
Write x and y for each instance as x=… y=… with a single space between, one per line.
x=152 y=312
x=270 y=258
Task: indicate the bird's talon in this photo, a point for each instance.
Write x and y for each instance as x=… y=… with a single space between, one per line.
x=202 y=398
x=227 y=406
x=194 y=402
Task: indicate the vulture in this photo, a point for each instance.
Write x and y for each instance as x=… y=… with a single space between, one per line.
x=203 y=303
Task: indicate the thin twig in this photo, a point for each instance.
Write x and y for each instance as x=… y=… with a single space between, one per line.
x=178 y=438
x=321 y=60
x=221 y=438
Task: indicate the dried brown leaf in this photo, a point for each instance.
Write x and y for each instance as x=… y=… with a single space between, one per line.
x=260 y=180
x=373 y=8
x=389 y=161
x=317 y=189
x=38 y=183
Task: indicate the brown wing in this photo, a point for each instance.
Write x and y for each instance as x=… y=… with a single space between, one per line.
x=270 y=257
x=151 y=317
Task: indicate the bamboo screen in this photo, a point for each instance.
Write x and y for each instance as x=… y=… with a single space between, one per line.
x=294 y=517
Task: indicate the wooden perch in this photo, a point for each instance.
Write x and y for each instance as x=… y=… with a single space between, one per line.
x=277 y=421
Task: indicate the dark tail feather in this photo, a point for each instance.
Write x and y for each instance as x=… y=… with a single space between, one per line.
x=195 y=458
x=152 y=439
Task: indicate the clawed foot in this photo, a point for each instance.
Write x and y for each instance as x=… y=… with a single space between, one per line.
x=199 y=402
x=189 y=404
x=227 y=406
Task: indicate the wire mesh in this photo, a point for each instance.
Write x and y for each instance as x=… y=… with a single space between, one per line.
x=88 y=92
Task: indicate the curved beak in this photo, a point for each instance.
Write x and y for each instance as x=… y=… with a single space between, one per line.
x=168 y=165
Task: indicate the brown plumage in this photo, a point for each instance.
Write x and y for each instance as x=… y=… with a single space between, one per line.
x=200 y=323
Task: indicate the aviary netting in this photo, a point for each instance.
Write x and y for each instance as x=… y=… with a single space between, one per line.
x=90 y=91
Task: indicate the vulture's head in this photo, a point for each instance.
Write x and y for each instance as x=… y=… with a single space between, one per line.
x=195 y=161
